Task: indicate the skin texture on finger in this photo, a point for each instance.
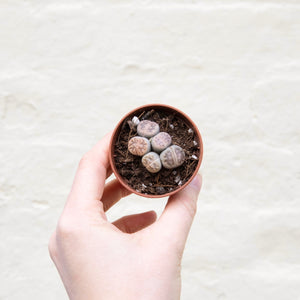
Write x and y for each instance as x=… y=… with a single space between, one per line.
x=134 y=223
x=89 y=181
x=112 y=193
x=176 y=220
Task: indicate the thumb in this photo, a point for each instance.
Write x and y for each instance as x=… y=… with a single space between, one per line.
x=176 y=220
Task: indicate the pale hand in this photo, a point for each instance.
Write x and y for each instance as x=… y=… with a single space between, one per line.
x=135 y=257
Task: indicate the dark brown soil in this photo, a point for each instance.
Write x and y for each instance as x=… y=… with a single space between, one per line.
x=165 y=181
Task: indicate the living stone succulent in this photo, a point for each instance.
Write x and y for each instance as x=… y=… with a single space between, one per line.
x=147 y=128
x=172 y=157
x=151 y=162
x=139 y=146
x=161 y=141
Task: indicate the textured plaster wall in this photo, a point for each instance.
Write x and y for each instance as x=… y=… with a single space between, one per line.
x=70 y=69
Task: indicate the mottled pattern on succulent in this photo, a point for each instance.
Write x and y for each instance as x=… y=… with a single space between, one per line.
x=139 y=146
x=151 y=162
x=172 y=157
x=147 y=128
x=161 y=141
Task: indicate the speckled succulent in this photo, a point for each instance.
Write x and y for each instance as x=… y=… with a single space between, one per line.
x=163 y=153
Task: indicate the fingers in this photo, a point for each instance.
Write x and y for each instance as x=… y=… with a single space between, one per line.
x=175 y=222
x=90 y=177
x=134 y=223
x=112 y=193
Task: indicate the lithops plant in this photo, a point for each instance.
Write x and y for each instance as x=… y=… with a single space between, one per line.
x=147 y=128
x=161 y=141
x=152 y=162
x=139 y=146
x=172 y=157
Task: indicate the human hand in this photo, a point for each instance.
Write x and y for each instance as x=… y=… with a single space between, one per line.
x=135 y=257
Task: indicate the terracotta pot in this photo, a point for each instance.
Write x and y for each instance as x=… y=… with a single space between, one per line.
x=137 y=112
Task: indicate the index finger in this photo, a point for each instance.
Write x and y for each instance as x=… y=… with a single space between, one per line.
x=89 y=181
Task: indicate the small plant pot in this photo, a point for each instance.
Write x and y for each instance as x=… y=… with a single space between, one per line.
x=128 y=168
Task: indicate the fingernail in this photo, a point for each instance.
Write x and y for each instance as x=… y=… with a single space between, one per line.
x=196 y=182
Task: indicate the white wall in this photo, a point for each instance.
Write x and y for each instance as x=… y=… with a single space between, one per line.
x=70 y=69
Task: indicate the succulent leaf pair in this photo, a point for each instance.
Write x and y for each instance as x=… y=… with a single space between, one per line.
x=163 y=154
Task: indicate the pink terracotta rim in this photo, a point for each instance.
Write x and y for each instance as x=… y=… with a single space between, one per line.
x=135 y=112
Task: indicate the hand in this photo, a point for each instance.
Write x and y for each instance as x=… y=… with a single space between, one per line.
x=135 y=257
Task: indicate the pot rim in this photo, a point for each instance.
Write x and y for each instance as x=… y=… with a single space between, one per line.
x=117 y=128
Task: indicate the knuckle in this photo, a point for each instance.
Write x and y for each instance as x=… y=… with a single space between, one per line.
x=65 y=227
x=52 y=247
x=84 y=161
